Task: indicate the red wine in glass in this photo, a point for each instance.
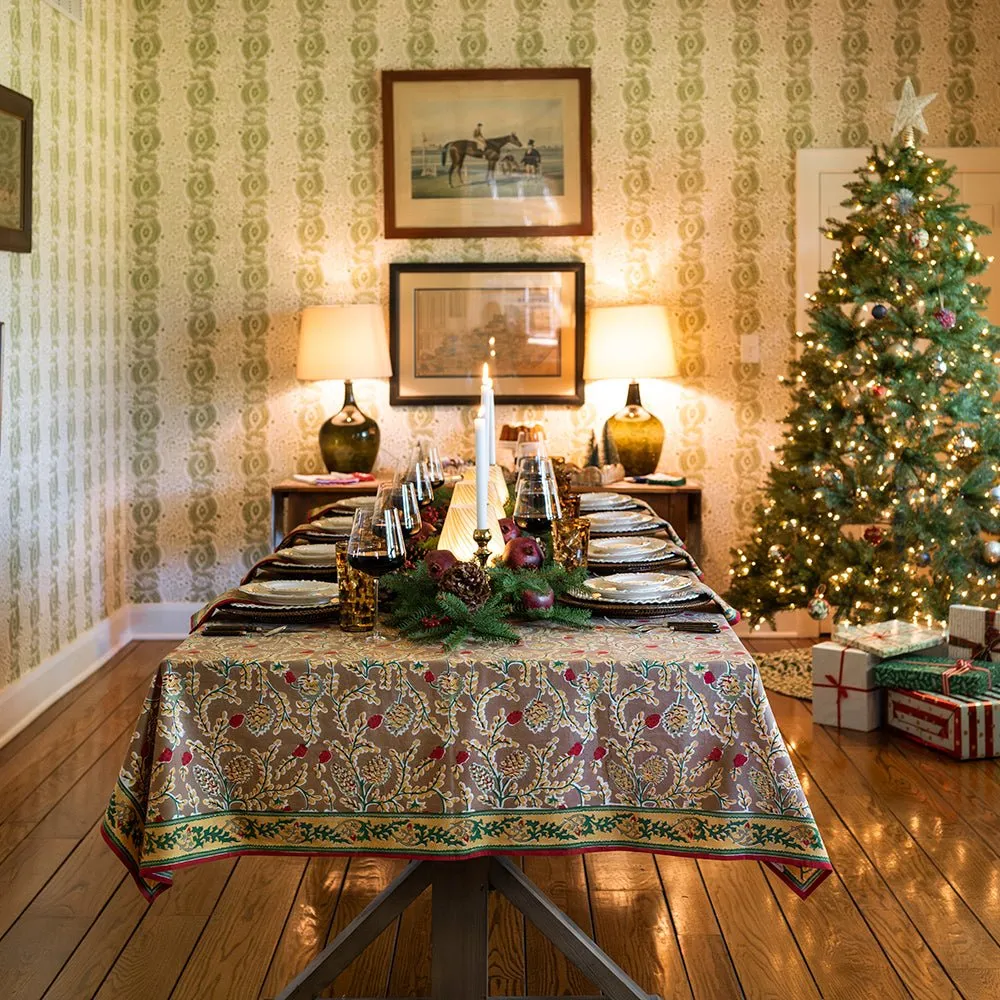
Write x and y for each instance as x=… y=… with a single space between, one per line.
x=534 y=525
x=375 y=563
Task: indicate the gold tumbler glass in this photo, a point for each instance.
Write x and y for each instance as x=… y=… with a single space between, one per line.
x=570 y=538
x=357 y=595
x=570 y=503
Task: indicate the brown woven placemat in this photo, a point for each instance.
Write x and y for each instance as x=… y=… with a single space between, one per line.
x=654 y=566
x=619 y=609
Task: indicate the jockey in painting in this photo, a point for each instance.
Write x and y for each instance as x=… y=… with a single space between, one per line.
x=479 y=138
x=532 y=159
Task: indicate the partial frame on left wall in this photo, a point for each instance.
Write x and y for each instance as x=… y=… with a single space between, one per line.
x=16 y=129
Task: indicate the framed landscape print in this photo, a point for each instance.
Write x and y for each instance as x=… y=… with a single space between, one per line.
x=526 y=320
x=487 y=153
x=15 y=171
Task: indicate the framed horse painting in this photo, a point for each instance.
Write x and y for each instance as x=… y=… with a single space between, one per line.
x=502 y=152
x=16 y=120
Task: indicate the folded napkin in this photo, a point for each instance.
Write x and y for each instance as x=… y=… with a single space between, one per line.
x=236 y=606
x=308 y=532
x=335 y=478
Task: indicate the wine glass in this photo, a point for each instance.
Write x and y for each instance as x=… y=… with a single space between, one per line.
x=435 y=467
x=400 y=496
x=376 y=547
x=419 y=475
x=536 y=503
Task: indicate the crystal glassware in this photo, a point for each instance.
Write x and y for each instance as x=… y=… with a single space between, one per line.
x=419 y=475
x=357 y=595
x=434 y=467
x=376 y=547
x=570 y=539
x=536 y=504
x=401 y=496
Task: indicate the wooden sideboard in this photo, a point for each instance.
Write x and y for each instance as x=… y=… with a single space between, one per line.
x=291 y=501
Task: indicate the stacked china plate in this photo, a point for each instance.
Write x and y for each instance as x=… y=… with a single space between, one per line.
x=641 y=549
x=355 y=503
x=640 y=588
x=623 y=522
x=290 y=593
x=319 y=554
x=335 y=524
x=592 y=503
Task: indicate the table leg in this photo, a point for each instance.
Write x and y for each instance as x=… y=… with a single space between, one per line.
x=460 y=930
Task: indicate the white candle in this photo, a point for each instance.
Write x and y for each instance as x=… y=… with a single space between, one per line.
x=482 y=471
x=489 y=407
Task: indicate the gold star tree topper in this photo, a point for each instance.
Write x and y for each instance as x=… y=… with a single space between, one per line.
x=909 y=112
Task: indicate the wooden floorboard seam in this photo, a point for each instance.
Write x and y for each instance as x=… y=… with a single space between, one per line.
x=802 y=767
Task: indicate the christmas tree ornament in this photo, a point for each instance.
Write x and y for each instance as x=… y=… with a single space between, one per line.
x=995 y=494
x=874 y=536
x=919 y=238
x=832 y=477
x=469 y=582
x=923 y=559
x=879 y=391
x=939 y=366
x=962 y=445
x=858 y=242
x=777 y=553
x=879 y=311
x=818 y=606
x=945 y=317
x=991 y=553
x=966 y=243
x=899 y=350
x=908 y=112
x=904 y=201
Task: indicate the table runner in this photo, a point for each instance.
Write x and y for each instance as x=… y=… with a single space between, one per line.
x=612 y=738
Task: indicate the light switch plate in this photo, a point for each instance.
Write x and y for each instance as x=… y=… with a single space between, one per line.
x=750 y=348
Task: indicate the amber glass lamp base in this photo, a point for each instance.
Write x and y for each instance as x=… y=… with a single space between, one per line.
x=637 y=435
x=349 y=440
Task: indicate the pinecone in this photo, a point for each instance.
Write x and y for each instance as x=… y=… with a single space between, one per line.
x=469 y=582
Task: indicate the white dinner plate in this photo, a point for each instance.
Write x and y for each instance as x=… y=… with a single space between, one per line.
x=320 y=554
x=606 y=520
x=592 y=502
x=297 y=593
x=355 y=503
x=597 y=590
x=646 y=583
x=624 y=550
x=338 y=524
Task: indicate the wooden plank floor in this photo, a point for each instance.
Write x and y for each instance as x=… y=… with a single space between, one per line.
x=913 y=909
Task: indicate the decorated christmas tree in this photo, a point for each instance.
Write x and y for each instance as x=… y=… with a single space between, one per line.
x=884 y=501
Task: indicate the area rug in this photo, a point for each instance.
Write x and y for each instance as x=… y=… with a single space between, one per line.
x=788 y=671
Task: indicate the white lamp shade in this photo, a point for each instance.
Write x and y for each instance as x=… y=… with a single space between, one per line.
x=460 y=523
x=343 y=342
x=629 y=342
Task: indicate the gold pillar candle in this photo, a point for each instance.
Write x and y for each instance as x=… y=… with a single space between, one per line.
x=357 y=595
x=570 y=538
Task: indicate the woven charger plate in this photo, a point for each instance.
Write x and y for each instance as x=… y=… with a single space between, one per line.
x=620 y=609
x=645 y=529
x=274 y=613
x=655 y=566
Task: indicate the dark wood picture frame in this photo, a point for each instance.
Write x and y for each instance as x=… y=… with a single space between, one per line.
x=574 y=378
x=18 y=106
x=395 y=228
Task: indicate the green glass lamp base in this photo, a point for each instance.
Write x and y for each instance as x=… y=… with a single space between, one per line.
x=349 y=440
x=637 y=435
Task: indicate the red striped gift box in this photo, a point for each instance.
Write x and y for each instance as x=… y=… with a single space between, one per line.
x=964 y=728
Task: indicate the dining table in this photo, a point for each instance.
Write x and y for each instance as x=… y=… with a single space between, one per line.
x=624 y=736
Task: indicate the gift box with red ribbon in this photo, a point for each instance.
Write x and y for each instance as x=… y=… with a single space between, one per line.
x=973 y=633
x=938 y=676
x=966 y=728
x=892 y=638
x=844 y=690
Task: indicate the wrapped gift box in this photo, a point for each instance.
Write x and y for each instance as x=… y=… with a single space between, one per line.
x=844 y=690
x=973 y=633
x=892 y=638
x=937 y=675
x=966 y=728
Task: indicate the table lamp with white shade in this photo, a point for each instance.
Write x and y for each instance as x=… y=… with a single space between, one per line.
x=631 y=342
x=345 y=342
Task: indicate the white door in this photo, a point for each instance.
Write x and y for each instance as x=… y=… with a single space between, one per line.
x=820 y=178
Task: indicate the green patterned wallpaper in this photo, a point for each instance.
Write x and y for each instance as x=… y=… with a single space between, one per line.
x=256 y=183
x=63 y=522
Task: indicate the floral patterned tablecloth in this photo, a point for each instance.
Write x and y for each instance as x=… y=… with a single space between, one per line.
x=612 y=738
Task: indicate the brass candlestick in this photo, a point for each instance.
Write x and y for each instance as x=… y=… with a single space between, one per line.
x=482 y=537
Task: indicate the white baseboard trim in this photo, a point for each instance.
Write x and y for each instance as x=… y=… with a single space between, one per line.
x=24 y=700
